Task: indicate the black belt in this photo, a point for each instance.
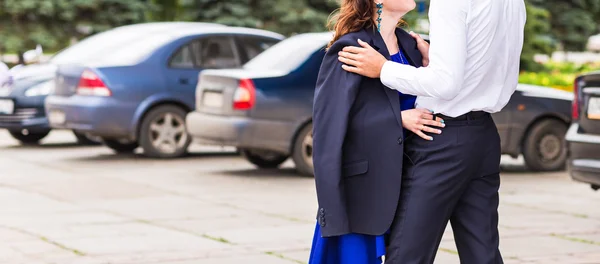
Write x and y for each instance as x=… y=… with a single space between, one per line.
x=468 y=116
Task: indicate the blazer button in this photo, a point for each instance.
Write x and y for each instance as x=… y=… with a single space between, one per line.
x=399 y=141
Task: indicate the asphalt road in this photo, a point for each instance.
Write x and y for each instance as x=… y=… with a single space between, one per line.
x=63 y=203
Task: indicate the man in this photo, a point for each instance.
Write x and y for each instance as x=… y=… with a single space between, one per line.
x=473 y=71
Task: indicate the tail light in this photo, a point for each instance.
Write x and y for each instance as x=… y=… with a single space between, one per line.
x=244 y=96
x=575 y=104
x=91 y=84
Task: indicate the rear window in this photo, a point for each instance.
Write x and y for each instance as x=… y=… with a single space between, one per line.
x=120 y=46
x=289 y=54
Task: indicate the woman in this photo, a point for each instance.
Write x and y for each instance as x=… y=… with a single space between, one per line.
x=358 y=136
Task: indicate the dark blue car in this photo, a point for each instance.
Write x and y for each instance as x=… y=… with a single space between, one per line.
x=136 y=83
x=265 y=110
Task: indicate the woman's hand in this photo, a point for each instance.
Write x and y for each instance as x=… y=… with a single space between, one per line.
x=423 y=47
x=420 y=120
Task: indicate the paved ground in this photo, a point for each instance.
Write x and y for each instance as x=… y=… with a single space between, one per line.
x=61 y=203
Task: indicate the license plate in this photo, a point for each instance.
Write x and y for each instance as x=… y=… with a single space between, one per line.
x=7 y=107
x=212 y=99
x=594 y=108
x=56 y=117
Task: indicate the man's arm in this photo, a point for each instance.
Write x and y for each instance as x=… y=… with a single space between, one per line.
x=443 y=77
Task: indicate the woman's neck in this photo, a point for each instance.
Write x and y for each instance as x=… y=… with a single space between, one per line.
x=389 y=22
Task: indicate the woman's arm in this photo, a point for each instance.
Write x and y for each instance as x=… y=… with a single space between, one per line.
x=334 y=95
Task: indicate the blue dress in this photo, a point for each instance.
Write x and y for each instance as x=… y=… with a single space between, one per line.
x=355 y=248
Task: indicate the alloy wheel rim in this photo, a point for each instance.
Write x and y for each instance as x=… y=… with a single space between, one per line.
x=167 y=133
x=307 y=149
x=550 y=147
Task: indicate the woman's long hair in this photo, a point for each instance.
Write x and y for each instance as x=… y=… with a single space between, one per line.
x=352 y=16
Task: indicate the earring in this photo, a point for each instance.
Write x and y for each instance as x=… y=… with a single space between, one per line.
x=379 y=11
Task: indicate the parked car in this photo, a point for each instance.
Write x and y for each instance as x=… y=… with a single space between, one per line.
x=133 y=85
x=265 y=110
x=583 y=136
x=22 y=100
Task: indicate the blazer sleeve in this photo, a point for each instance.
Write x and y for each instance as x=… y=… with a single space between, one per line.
x=335 y=93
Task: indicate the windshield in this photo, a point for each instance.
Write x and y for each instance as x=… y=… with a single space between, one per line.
x=290 y=53
x=125 y=45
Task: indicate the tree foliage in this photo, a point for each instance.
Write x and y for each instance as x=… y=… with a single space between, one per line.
x=572 y=21
x=538 y=38
x=52 y=23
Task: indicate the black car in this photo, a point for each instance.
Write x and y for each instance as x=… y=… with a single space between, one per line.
x=22 y=104
x=583 y=136
x=265 y=110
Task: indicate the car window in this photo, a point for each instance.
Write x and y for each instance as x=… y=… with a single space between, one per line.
x=183 y=58
x=216 y=52
x=254 y=45
x=289 y=54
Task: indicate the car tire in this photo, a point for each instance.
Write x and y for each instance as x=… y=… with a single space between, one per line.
x=83 y=139
x=263 y=159
x=544 y=148
x=29 y=138
x=302 y=154
x=168 y=122
x=119 y=146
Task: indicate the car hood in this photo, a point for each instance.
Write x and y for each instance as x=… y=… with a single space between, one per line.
x=545 y=92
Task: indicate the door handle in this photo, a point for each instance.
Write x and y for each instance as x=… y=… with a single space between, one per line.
x=184 y=81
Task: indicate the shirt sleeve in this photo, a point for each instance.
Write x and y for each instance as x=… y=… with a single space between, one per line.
x=444 y=76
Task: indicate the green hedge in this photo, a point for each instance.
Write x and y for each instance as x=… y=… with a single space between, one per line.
x=557 y=75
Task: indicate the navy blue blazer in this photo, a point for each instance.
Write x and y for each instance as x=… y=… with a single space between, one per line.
x=358 y=142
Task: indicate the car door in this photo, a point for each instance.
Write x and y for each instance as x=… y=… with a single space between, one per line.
x=209 y=52
x=504 y=122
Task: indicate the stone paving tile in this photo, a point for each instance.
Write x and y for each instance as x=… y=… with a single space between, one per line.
x=296 y=236
x=87 y=188
x=535 y=246
x=163 y=241
x=257 y=259
x=30 y=203
x=164 y=207
x=240 y=219
x=572 y=205
x=35 y=221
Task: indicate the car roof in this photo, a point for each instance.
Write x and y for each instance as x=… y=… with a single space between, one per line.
x=183 y=29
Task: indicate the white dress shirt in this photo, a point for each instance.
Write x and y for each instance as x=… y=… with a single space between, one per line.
x=474 y=57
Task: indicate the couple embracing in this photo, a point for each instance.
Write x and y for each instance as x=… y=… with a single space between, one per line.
x=403 y=138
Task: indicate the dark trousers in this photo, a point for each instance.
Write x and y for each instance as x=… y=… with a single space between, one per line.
x=453 y=178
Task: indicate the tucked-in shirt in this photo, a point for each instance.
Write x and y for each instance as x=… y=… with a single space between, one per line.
x=474 y=57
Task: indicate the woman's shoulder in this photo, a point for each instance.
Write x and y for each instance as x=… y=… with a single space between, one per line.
x=350 y=39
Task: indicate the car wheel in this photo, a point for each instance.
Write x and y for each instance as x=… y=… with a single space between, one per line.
x=120 y=146
x=545 y=147
x=83 y=139
x=263 y=159
x=27 y=137
x=163 y=133
x=303 y=151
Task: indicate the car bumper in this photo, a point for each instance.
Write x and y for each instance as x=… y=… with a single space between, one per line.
x=32 y=119
x=240 y=132
x=98 y=116
x=584 y=160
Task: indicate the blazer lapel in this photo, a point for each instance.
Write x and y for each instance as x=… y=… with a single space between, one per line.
x=409 y=46
x=393 y=96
